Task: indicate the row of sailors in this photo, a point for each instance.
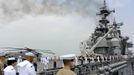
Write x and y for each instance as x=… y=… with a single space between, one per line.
x=70 y=59
x=25 y=67
x=79 y=60
x=98 y=59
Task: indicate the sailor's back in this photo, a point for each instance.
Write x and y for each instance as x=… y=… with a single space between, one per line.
x=9 y=70
x=27 y=69
x=65 y=71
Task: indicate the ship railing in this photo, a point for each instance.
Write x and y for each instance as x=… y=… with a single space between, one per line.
x=92 y=67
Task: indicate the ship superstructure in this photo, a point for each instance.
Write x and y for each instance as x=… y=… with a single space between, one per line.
x=107 y=38
x=106 y=52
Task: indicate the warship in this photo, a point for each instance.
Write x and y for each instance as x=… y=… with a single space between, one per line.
x=106 y=52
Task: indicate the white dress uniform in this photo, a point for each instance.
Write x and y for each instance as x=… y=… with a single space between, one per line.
x=26 y=67
x=9 y=70
x=19 y=59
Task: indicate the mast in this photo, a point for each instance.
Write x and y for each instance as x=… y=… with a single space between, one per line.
x=103 y=22
x=107 y=38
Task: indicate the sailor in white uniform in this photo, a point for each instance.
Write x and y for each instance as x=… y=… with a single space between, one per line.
x=26 y=67
x=19 y=59
x=10 y=69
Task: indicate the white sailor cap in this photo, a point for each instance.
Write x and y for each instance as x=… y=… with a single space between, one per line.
x=12 y=58
x=2 y=53
x=29 y=54
x=68 y=57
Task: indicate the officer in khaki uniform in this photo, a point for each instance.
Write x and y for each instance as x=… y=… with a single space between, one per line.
x=68 y=61
x=2 y=60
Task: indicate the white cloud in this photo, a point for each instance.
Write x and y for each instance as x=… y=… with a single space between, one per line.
x=59 y=33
